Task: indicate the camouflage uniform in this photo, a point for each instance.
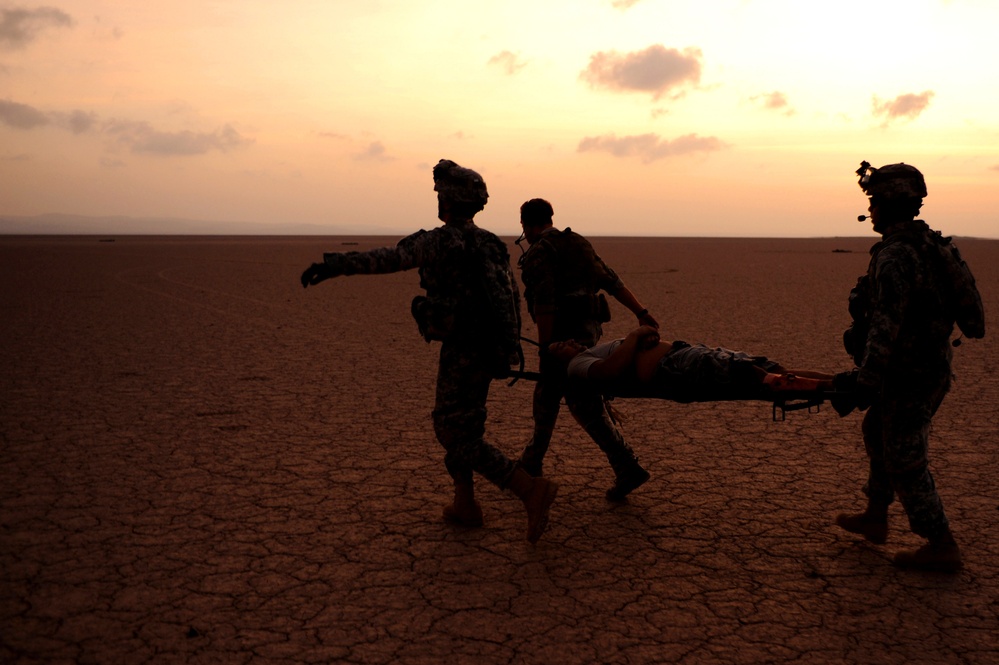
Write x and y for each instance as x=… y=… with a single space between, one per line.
x=473 y=307
x=904 y=310
x=562 y=276
x=903 y=321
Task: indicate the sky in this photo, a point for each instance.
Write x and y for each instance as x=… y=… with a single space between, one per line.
x=632 y=117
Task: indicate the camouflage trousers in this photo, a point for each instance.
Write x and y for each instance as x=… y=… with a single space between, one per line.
x=587 y=407
x=459 y=415
x=896 y=435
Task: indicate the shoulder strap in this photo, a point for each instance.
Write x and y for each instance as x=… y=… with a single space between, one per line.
x=966 y=301
x=963 y=298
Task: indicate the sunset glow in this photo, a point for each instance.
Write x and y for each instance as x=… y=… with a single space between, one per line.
x=633 y=117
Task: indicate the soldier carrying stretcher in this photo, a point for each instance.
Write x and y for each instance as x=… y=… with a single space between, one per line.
x=904 y=309
x=563 y=278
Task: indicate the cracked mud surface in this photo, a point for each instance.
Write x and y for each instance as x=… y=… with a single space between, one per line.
x=202 y=462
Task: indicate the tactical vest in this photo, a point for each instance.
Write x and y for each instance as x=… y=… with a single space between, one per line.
x=577 y=275
x=471 y=295
x=966 y=301
x=962 y=299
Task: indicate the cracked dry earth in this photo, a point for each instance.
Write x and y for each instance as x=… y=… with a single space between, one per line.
x=202 y=462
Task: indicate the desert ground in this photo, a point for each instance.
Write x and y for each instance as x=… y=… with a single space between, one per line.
x=203 y=462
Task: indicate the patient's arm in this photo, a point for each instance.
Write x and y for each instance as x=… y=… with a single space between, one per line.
x=622 y=360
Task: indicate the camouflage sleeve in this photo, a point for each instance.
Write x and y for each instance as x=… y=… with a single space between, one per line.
x=505 y=295
x=411 y=252
x=893 y=278
x=604 y=276
x=607 y=278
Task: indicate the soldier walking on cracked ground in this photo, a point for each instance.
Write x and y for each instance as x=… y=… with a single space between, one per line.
x=904 y=310
x=563 y=278
x=472 y=306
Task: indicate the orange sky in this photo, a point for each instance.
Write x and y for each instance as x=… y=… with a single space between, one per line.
x=633 y=117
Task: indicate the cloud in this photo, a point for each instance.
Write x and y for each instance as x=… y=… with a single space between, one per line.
x=994 y=168
x=508 y=61
x=908 y=106
x=21 y=116
x=773 y=101
x=78 y=122
x=375 y=152
x=656 y=69
x=20 y=27
x=105 y=33
x=649 y=147
x=141 y=137
x=624 y=4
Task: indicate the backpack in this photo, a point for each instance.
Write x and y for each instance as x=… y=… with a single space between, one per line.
x=496 y=298
x=965 y=301
x=471 y=293
x=578 y=275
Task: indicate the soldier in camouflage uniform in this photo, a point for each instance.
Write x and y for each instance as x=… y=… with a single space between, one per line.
x=472 y=306
x=562 y=280
x=904 y=310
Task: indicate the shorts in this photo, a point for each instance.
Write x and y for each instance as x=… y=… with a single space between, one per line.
x=698 y=373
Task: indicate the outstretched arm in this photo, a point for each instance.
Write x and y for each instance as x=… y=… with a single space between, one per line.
x=409 y=253
x=624 y=296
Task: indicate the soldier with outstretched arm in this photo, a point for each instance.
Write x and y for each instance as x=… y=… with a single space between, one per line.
x=472 y=306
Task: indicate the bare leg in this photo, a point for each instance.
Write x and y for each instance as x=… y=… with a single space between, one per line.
x=799 y=381
x=811 y=374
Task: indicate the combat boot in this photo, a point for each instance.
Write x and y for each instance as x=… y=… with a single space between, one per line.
x=941 y=555
x=465 y=510
x=537 y=495
x=629 y=478
x=872 y=524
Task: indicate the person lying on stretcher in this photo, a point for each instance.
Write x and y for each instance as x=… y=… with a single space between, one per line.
x=642 y=365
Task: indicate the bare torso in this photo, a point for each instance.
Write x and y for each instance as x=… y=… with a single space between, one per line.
x=647 y=361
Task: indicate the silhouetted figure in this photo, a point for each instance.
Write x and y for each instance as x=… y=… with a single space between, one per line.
x=904 y=310
x=563 y=278
x=472 y=306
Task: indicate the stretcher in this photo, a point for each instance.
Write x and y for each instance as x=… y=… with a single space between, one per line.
x=786 y=393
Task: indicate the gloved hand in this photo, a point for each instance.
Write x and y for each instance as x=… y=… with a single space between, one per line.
x=867 y=389
x=851 y=394
x=316 y=273
x=845 y=385
x=549 y=365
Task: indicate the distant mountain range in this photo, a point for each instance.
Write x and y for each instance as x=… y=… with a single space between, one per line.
x=57 y=224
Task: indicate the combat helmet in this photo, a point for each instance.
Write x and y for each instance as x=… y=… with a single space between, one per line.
x=459 y=184
x=892 y=183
